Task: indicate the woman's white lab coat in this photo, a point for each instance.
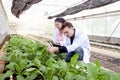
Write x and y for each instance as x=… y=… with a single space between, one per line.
x=55 y=38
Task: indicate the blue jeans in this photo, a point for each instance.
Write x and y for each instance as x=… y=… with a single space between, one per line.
x=78 y=51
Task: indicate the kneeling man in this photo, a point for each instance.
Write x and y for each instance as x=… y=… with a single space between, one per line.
x=76 y=43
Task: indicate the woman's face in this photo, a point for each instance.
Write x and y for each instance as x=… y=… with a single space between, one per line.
x=58 y=25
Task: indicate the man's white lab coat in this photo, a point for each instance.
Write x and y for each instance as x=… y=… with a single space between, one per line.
x=80 y=39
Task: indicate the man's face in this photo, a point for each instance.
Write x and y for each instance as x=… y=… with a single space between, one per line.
x=68 y=31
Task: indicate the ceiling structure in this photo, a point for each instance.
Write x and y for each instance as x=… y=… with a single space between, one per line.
x=18 y=6
x=33 y=16
x=90 y=4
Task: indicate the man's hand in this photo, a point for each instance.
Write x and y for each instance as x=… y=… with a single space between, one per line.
x=53 y=49
x=57 y=43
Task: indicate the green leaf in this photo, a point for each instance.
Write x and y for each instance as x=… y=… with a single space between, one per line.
x=10 y=66
x=55 y=78
x=31 y=77
x=19 y=77
x=37 y=62
x=6 y=75
x=97 y=64
x=43 y=68
x=69 y=76
x=49 y=73
x=74 y=60
x=91 y=72
x=30 y=69
x=79 y=77
x=62 y=64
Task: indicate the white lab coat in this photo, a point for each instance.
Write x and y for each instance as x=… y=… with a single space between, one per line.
x=82 y=40
x=55 y=38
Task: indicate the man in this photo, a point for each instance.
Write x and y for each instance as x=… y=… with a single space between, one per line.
x=76 y=42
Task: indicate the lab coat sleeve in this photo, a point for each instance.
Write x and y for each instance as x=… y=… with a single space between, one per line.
x=78 y=41
x=54 y=38
x=63 y=43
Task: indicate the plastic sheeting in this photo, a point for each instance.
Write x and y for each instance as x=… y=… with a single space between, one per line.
x=35 y=19
x=3 y=24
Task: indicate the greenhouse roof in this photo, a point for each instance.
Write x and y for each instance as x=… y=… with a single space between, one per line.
x=54 y=7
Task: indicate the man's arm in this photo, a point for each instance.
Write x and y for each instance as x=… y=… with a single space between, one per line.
x=53 y=49
x=77 y=42
x=61 y=49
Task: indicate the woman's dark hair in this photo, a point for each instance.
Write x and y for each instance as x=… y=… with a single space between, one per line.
x=67 y=24
x=61 y=20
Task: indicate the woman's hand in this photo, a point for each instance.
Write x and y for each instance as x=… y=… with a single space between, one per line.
x=58 y=43
x=53 y=49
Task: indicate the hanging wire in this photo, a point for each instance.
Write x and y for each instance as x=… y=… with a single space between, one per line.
x=114 y=31
x=92 y=20
x=106 y=22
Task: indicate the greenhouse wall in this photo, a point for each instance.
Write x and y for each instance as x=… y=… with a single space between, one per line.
x=3 y=24
x=101 y=27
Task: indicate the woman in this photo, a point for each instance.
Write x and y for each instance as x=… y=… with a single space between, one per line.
x=58 y=36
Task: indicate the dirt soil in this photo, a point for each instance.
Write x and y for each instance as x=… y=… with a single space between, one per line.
x=106 y=61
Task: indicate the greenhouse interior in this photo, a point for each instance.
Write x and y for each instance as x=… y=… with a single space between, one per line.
x=59 y=39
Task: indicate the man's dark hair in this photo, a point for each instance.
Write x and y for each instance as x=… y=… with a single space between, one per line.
x=61 y=20
x=67 y=24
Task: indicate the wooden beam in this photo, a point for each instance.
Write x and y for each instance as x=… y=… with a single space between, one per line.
x=6 y=39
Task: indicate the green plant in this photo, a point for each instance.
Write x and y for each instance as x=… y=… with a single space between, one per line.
x=27 y=60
